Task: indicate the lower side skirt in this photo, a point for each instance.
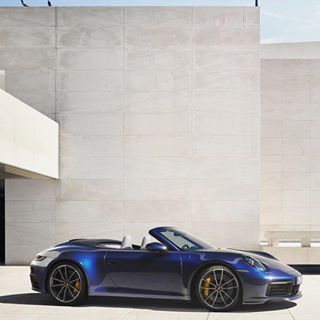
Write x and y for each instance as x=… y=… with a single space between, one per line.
x=138 y=295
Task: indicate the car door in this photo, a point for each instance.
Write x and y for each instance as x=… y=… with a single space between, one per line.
x=145 y=272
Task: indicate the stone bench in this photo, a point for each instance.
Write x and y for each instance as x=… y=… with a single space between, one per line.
x=304 y=254
x=304 y=236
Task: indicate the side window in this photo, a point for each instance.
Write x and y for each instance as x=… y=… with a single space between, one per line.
x=178 y=240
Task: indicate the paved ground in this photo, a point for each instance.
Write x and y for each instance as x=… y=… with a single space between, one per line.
x=17 y=302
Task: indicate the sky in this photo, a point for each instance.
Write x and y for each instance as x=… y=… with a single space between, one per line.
x=281 y=20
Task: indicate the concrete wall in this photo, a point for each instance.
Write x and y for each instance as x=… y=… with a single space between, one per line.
x=290 y=137
x=29 y=140
x=159 y=111
x=297 y=50
x=2 y=79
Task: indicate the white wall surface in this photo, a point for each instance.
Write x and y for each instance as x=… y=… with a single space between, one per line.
x=159 y=111
x=2 y=79
x=290 y=137
x=28 y=139
x=299 y=50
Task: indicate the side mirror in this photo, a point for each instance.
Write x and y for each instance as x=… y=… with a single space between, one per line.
x=156 y=247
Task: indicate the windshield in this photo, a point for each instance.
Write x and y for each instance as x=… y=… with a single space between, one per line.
x=184 y=241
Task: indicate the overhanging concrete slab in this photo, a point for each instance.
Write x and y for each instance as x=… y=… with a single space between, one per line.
x=29 y=141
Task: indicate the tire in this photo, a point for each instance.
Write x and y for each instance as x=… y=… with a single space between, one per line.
x=67 y=284
x=218 y=288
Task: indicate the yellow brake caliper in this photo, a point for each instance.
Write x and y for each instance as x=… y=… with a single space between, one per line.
x=77 y=286
x=206 y=286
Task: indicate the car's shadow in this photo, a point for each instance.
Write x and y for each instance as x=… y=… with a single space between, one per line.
x=165 y=305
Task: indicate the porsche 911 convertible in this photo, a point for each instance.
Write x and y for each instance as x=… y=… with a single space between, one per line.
x=177 y=266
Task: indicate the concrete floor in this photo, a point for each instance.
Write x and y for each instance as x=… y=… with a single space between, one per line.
x=18 y=301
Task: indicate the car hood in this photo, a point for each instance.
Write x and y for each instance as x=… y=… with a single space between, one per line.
x=267 y=259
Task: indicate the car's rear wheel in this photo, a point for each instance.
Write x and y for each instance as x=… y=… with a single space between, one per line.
x=67 y=284
x=218 y=288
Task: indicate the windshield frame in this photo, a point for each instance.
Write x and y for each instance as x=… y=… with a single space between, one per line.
x=159 y=233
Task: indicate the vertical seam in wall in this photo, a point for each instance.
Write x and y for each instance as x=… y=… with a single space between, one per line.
x=123 y=108
x=55 y=117
x=260 y=232
x=282 y=151
x=56 y=63
x=191 y=109
x=309 y=149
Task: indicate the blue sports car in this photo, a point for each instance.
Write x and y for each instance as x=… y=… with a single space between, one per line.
x=178 y=266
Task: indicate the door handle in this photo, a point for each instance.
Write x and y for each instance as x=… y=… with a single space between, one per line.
x=114 y=261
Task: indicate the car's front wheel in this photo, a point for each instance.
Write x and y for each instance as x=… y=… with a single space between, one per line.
x=67 y=284
x=218 y=288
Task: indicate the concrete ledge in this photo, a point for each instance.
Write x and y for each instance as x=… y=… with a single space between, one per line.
x=29 y=140
x=307 y=50
x=304 y=236
x=299 y=255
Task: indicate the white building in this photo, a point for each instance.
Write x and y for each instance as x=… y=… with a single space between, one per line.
x=160 y=124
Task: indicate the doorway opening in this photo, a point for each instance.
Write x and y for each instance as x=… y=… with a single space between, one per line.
x=2 y=223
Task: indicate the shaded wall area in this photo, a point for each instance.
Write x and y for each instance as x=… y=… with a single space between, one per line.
x=2 y=223
x=290 y=98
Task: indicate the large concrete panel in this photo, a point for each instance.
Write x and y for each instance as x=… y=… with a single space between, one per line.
x=290 y=144
x=159 y=110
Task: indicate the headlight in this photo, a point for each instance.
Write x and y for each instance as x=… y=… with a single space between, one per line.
x=39 y=258
x=255 y=263
x=299 y=280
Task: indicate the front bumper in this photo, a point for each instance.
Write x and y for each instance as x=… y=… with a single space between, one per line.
x=261 y=300
x=38 y=278
x=38 y=274
x=286 y=289
x=39 y=268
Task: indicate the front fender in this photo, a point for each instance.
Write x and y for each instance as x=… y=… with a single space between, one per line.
x=193 y=264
